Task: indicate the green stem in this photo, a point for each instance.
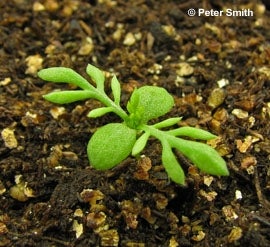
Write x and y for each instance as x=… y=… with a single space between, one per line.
x=103 y=98
x=170 y=163
x=159 y=134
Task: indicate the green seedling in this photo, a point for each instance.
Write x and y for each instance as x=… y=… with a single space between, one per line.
x=114 y=142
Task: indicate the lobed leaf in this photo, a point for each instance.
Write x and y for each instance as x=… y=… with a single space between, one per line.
x=171 y=165
x=116 y=90
x=65 y=97
x=150 y=102
x=96 y=75
x=140 y=143
x=110 y=145
x=99 y=112
x=64 y=75
x=193 y=133
x=167 y=123
x=132 y=105
x=203 y=156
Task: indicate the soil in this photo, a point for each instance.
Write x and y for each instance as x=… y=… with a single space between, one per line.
x=216 y=68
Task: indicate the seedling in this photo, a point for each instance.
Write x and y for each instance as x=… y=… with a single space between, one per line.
x=114 y=142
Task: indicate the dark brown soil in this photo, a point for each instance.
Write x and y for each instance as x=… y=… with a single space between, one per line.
x=217 y=69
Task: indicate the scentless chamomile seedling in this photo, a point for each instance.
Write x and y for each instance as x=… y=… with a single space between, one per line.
x=114 y=142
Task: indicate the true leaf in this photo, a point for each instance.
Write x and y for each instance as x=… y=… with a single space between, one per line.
x=96 y=75
x=140 y=143
x=99 y=112
x=151 y=102
x=132 y=105
x=116 y=90
x=167 y=123
x=193 y=133
x=110 y=145
x=171 y=165
x=65 y=97
x=203 y=156
x=64 y=75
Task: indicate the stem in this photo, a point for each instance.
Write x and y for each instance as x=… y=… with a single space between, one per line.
x=103 y=98
x=170 y=163
x=163 y=136
x=159 y=134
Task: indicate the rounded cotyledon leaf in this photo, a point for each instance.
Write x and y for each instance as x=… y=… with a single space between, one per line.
x=110 y=145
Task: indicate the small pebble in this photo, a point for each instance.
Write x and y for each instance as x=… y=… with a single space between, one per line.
x=9 y=138
x=216 y=98
x=240 y=113
x=235 y=234
x=5 y=81
x=34 y=63
x=184 y=69
x=129 y=39
x=223 y=82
